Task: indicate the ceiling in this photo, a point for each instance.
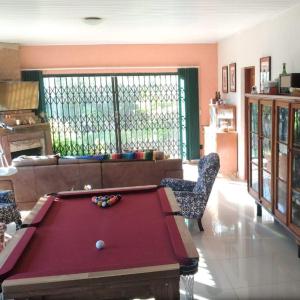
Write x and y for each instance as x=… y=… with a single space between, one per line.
x=131 y=21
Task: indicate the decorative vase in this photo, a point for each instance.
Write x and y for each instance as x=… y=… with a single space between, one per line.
x=284 y=69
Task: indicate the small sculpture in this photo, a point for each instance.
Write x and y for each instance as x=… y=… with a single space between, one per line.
x=254 y=90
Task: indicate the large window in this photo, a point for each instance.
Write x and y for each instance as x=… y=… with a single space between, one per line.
x=91 y=114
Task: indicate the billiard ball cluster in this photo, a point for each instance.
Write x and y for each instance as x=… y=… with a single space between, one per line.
x=106 y=201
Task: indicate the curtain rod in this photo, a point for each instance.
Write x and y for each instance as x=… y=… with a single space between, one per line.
x=107 y=67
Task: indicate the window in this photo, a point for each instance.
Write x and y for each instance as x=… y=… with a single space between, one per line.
x=96 y=113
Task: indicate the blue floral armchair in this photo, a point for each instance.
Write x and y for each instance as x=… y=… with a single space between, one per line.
x=8 y=209
x=193 y=196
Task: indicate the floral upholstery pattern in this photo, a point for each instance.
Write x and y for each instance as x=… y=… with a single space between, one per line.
x=8 y=209
x=178 y=184
x=193 y=196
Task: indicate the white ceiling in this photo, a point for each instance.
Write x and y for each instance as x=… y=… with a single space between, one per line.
x=131 y=21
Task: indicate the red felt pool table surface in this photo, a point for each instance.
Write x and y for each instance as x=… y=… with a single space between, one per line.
x=139 y=232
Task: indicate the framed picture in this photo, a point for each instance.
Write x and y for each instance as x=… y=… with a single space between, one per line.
x=225 y=79
x=232 y=77
x=265 y=72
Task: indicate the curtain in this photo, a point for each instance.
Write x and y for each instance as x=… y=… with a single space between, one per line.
x=189 y=113
x=37 y=76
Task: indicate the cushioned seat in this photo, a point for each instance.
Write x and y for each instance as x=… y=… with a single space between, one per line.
x=193 y=196
x=8 y=209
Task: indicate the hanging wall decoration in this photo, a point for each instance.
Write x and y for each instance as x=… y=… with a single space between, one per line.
x=265 y=72
x=225 y=79
x=232 y=77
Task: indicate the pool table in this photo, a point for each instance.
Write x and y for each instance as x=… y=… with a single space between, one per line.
x=147 y=247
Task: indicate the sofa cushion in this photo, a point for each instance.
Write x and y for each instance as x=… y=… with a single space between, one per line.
x=86 y=159
x=25 y=160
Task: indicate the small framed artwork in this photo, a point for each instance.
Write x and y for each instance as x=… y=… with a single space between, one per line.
x=232 y=77
x=225 y=79
x=265 y=72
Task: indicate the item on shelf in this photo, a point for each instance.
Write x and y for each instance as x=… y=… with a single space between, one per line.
x=284 y=69
x=217 y=98
x=288 y=81
x=295 y=92
x=224 y=126
x=254 y=90
x=273 y=88
x=220 y=101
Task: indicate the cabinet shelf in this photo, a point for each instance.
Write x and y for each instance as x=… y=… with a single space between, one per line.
x=222 y=115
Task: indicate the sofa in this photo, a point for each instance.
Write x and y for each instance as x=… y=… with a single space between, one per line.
x=42 y=175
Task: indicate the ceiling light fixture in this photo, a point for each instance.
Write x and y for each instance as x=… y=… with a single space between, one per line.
x=92 y=20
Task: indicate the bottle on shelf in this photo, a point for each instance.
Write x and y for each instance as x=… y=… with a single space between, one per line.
x=284 y=69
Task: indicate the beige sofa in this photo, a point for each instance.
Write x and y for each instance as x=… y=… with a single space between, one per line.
x=38 y=177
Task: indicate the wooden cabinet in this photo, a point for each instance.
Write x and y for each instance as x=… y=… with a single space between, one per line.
x=222 y=138
x=225 y=144
x=273 y=147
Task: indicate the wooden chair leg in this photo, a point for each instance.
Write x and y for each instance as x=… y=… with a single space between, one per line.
x=200 y=225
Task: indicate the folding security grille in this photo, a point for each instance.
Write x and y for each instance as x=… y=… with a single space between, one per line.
x=92 y=114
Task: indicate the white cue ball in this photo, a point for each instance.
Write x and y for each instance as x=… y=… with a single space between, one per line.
x=100 y=244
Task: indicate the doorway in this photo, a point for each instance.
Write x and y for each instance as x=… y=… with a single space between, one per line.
x=249 y=79
x=249 y=75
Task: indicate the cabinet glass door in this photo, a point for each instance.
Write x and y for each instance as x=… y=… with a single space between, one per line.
x=295 y=170
x=266 y=150
x=295 y=206
x=281 y=159
x=254 y=152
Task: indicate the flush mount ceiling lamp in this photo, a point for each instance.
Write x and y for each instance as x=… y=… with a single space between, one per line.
x=92 y=20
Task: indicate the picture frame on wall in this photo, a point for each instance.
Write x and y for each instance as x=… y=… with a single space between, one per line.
x=225 y=79
x=265 y=72
x=232 y=77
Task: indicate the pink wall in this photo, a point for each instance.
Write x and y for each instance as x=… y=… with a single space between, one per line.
x=203 y=56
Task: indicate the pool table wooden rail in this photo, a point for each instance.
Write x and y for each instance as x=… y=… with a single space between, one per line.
x=41 y=202
x=158 y=281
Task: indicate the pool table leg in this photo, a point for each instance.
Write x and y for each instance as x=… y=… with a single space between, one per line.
x=258 y=211
x=169 y=290
x=188 y=282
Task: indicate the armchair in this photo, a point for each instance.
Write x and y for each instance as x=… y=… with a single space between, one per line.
x=192 y=196
x=8 y=209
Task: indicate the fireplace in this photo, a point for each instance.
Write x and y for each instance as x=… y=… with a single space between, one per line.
x=34 y=151
x=28 y=139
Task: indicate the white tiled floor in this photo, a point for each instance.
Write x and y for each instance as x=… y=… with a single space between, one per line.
x=242 y=256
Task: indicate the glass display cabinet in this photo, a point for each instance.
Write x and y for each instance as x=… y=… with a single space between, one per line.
x=273 y=148
x=282 y=128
